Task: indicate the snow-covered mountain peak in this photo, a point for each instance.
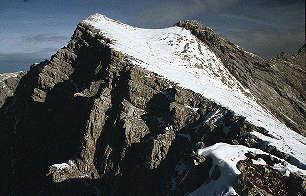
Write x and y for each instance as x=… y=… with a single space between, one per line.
x=175 y=111
x=164 y=48
x=176 y=54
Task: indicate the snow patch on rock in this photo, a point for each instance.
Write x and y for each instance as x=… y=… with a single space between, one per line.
x=226 y=156
x=61 y=166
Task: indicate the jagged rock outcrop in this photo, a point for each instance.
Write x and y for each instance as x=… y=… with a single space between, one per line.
x=257 y=179
x=91 y=122
x=9 y=83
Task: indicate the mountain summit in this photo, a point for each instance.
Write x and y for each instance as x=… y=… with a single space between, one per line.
x=177 y=111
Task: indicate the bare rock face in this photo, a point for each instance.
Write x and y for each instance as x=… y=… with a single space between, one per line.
x=89 y=122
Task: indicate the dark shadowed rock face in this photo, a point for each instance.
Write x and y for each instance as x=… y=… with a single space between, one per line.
x=279 y=85
x=119 y=129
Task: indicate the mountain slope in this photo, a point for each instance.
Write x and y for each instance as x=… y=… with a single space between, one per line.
x=177 y=55
x=275 y=86
x=129 y=111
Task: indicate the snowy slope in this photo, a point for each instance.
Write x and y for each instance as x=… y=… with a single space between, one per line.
x=174 y=53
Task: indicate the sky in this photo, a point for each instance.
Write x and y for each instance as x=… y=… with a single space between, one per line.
x=33 y=30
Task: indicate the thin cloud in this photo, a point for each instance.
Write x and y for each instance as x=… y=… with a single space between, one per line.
x=169 y=12
x=212 y=5
x=267 y=43
x=247 y=19
x=21 y=61
x=270 y=29
x=45 y=38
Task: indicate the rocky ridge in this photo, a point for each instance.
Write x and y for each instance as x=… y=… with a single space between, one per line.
x=91 y=122
x=278 y=85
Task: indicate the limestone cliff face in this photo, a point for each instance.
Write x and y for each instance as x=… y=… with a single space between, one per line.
x=90 y=122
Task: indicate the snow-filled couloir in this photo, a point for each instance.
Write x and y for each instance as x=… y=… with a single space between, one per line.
x=175 y=54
